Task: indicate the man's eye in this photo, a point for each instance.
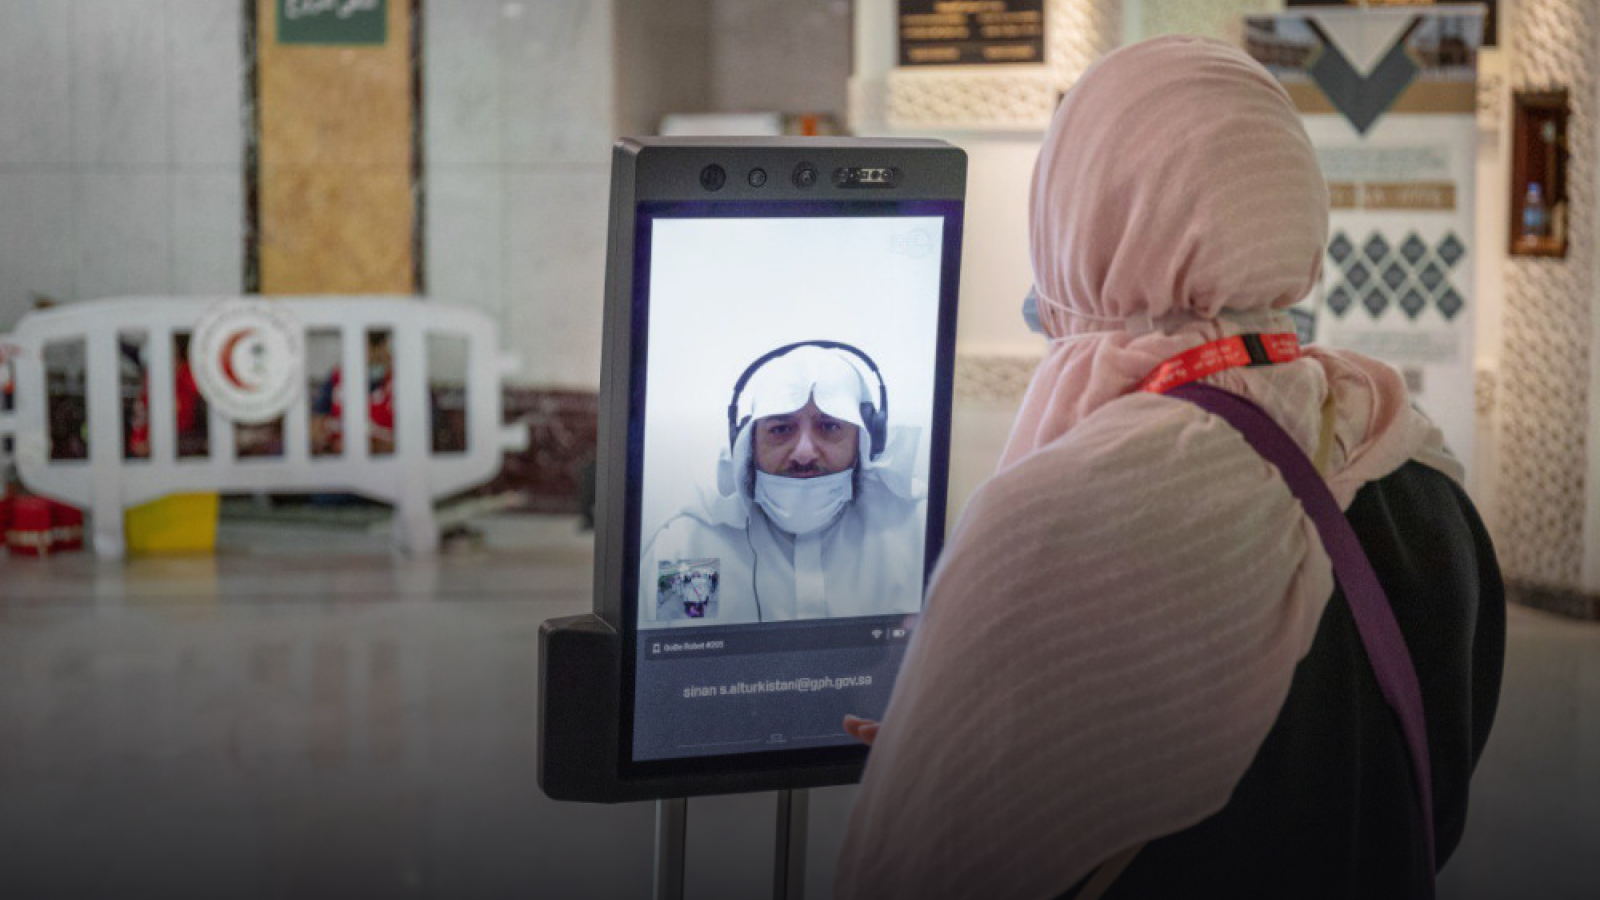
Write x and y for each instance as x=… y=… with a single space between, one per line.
x=779 y=429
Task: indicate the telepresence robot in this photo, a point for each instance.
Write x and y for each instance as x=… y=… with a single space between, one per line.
x=724 y=651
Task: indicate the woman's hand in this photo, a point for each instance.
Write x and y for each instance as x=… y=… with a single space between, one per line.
x=863 y=730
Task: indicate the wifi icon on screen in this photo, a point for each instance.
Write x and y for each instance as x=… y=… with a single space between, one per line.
x=877 y=633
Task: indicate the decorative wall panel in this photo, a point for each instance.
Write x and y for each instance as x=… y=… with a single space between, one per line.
x=1543 y=389
x=1078 y=32
x=973 y=99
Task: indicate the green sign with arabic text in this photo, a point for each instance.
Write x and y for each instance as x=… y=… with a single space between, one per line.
x=338 y=22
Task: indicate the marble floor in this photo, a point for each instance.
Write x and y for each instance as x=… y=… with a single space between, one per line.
x=306 y=716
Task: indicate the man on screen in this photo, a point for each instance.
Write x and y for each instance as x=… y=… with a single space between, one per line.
x=815 y=514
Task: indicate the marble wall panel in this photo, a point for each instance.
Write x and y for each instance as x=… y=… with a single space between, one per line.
x=205 y=71
x=207 y=233
x=461 y=82
x=667 y=48
x=464 y=244
x=556 y=82
x=519 y=118
x=120 y=91
x=122 y=234
x=36 y=254
x=555 y=245
x=35 y=81
x=786 y=55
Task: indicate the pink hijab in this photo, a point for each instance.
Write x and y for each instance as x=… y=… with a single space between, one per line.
x=1119 y=611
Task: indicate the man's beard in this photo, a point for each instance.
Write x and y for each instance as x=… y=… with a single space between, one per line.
x=808 y=470
x=795 y=471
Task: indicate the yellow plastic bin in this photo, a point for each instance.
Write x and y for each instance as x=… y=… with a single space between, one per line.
x=179 y=523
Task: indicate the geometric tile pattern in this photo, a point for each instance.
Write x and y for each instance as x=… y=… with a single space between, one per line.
x=1543 y=405
x=1340 y=299
x=1340 y=249
x=1077 y=33
x=1375 y=300
x=1413 y=302
x=1381 y=275
x=934 y=97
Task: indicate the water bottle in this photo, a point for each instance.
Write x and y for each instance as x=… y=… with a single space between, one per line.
x=1535 y=215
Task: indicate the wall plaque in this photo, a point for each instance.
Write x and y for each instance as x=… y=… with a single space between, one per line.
x=344 y=22
x=971 y=32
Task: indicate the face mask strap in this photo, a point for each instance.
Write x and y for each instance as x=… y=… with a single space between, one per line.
x=1264 y=320
x=1035 y=321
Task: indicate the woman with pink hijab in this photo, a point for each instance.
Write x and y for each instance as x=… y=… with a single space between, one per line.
x=1134 y=642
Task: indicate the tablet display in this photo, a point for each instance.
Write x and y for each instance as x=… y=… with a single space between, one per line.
x=787 y=467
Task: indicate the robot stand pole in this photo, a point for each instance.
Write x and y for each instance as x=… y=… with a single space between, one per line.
x=672 y=827
x=789 y=859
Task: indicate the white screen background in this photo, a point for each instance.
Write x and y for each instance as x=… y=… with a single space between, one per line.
x=725 y=291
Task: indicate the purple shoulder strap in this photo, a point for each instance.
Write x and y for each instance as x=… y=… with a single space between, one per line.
x=1380 y=633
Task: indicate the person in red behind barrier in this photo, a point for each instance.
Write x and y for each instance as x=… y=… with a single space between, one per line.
x=1136 y=674
x=327 y=408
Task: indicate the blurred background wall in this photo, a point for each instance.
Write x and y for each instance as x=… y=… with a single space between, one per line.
x=123 y=130
x=126 y=128
x=121 y=145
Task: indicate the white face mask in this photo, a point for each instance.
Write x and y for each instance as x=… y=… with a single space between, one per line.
x=802 y=505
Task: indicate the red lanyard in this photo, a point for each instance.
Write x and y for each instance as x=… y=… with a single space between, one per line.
x=1227 y=353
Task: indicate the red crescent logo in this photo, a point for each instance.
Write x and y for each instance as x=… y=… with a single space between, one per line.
x=228 y=347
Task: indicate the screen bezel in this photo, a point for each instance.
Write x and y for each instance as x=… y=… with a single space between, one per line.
x=646 y=212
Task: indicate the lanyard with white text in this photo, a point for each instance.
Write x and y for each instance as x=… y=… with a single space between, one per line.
x=1227 y=353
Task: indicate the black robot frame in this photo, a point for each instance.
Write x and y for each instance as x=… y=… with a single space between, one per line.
x=586 y=664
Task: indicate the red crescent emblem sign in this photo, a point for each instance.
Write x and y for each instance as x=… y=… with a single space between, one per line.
x=228 y=356
x=248 y=359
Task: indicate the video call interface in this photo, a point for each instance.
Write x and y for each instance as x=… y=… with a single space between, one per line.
x=782 y=469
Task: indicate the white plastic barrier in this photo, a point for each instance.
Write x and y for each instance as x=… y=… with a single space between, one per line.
x=410 y=478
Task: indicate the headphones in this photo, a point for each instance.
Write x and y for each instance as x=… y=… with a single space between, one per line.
x=876 y=418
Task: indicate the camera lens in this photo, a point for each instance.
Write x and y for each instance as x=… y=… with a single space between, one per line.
x=758 y=177
x=712 y=177
x=805 y=175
